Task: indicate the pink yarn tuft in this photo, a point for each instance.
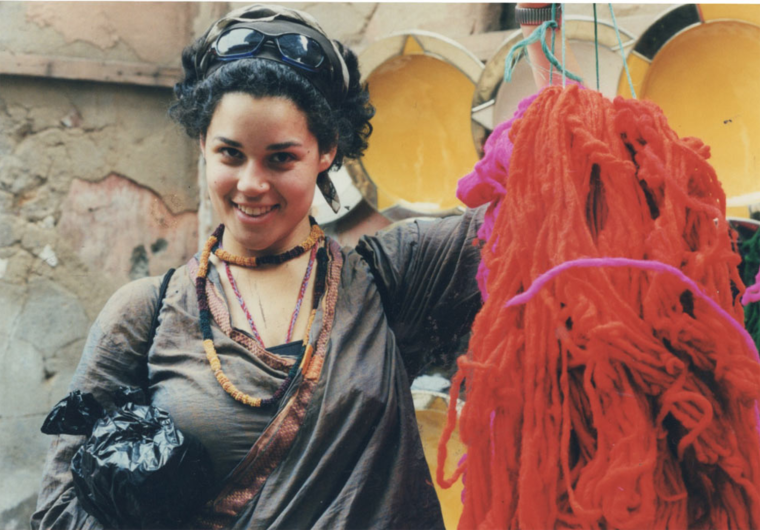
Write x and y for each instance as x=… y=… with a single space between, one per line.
x=752 y=294
x=487 y=181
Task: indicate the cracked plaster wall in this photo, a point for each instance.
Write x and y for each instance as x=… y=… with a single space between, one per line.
x=147 y=31
x=98 y=187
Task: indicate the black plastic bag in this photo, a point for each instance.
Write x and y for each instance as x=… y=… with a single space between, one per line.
x=136 y=469
x=75 y=414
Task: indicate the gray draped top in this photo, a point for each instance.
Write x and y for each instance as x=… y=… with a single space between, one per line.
x=352 y=456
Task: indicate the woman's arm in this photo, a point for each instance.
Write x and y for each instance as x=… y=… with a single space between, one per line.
x=425 y=271
x=115 y=355
x=538 y=61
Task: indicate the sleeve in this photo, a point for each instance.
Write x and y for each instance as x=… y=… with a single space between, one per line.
x=115 y=355
x=425 y=271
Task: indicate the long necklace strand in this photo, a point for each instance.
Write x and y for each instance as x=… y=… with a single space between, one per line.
x=296 y=311
x=301 y=363
x=301 y=294
x=244 y=307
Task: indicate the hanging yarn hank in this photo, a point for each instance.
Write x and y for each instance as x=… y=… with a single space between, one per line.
x=609 y=396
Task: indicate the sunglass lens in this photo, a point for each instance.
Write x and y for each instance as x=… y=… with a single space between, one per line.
x=301 y=49
x=238 y=41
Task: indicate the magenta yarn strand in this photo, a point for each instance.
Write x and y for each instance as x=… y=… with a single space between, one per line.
x=655 y=266
x=752 y=294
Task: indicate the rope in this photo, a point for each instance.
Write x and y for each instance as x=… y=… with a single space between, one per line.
x=655 y=266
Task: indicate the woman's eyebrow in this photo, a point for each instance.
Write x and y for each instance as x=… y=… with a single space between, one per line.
x=227 y=141
x=283 y=145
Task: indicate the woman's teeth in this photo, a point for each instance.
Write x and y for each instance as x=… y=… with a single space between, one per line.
x=256 y=211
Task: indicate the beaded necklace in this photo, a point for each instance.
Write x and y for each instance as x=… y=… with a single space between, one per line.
x=299 y=300
x=205 y=312
x=314 y=236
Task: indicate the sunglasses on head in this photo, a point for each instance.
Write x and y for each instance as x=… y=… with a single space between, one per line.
x=294 y=48
x=299 y=46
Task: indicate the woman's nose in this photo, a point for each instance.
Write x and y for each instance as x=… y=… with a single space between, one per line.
x=254 y=180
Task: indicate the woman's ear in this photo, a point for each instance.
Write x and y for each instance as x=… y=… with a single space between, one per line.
x=326 y=159
x=202 y=143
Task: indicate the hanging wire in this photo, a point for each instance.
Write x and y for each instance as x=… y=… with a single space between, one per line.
x=596 y=48
x=564 y=46
x=554 y=33
x=622 y=53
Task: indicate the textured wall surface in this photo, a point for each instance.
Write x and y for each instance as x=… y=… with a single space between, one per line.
x=98 y=187
x=90 y=175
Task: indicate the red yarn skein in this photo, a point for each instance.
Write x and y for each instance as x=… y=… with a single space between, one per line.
x=615 y=398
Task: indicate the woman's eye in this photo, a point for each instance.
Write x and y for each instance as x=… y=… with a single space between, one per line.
x=282 y=158
x=231 y=152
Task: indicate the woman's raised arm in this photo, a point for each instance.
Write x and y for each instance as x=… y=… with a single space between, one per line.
x=538 y=61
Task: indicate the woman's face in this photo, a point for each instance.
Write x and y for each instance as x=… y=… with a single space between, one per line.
x=262 y=164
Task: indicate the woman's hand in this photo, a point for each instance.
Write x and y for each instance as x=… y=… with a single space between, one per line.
x=538 y=61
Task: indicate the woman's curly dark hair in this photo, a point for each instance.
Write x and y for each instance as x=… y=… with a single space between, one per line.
x=346 y=124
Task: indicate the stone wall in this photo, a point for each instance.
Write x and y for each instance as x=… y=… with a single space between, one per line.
x=98 y=187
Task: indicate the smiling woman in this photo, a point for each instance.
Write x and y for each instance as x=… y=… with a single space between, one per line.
x=288 y=357
x=262 y=164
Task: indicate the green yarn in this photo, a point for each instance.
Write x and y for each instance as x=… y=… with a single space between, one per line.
x=540 y=33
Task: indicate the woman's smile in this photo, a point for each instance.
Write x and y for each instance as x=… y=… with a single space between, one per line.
x=255 y=214
x=255 y=211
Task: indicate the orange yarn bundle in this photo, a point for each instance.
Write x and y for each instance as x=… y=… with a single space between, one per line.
x=615 y=397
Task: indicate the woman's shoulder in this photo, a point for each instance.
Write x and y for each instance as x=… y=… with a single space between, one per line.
x=420 y=253
x=399 y=242
x=138 y=297
x=397 y=233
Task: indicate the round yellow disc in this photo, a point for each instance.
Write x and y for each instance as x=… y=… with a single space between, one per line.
x=421 y=143
x=707 y=81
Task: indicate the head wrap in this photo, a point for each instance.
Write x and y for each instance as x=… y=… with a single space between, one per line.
x=269 y=13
